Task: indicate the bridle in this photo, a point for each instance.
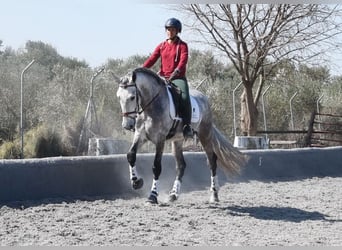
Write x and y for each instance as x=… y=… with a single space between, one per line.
x=138 y=109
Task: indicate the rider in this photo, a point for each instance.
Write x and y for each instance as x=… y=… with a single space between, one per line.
x=174 y=57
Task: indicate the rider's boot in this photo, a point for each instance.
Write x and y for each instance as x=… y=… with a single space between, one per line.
x=187 y=130
x=185 y=107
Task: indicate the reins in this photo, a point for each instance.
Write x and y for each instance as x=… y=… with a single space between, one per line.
x=136 y=110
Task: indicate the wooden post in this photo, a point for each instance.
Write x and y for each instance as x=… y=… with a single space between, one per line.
x=307 y=140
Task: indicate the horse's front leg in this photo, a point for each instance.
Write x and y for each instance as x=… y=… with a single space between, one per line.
x=177 y=148
x=157 y=168
x=136 y=181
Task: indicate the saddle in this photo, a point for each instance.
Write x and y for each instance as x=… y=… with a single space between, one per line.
x=174 y=94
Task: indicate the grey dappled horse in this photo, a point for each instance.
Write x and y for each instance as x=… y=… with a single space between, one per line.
x=145 y=109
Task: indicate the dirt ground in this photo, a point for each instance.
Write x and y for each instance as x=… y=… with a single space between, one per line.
x=306 y=212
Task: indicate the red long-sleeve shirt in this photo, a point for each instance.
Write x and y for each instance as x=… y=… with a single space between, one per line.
x=173 y=56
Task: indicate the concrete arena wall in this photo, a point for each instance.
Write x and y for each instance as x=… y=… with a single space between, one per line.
x=75 y=177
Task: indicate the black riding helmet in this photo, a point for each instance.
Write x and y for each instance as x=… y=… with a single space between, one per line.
x=173 y=22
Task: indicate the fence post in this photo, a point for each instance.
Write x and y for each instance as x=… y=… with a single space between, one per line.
x=292 y=123
x=21 y=108
x=234 y=124
x=263 y=111
x=90 y=108
x=318 y=111
x=307 y=140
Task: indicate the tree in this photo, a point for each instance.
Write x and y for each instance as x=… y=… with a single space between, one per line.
x=255 y=37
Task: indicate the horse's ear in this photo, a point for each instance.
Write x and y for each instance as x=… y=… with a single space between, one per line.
x=134 y=76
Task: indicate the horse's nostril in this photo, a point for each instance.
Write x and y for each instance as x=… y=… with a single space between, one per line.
x=128 y=127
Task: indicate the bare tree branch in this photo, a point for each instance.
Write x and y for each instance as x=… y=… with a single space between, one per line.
x=255 y=37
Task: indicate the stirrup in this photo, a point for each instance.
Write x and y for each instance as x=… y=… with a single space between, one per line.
x=187 y=131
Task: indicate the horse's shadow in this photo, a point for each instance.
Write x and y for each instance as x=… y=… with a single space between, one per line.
x=288 y=214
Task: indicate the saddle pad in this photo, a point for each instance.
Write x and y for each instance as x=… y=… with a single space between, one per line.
x=195 y=117
x=194 y=107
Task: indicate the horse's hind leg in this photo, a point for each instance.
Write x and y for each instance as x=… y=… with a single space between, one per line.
x=212 y=162
x=214 y=186
x=177 y=148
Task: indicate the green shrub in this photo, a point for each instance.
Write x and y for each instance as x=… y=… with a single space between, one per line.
x=42 y=142
x=10 y=150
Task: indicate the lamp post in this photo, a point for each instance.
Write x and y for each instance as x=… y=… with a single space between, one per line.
x=21 y=108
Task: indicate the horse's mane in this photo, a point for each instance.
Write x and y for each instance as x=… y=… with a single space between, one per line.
x=147 y=71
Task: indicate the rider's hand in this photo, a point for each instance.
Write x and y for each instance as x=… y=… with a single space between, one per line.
x=173 y=75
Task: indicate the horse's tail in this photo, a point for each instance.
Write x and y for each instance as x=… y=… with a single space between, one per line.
x=229 y=158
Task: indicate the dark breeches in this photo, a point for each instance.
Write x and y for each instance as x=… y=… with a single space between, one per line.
x=185 y=104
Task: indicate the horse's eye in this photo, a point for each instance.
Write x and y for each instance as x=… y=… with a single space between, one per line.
x=132 y=98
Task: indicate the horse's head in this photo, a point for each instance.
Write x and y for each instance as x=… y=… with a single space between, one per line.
x=128 y=98
x=137 y=91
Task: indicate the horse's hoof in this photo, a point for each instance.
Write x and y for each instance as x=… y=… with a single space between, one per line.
x=172 y=197
x=214 y=197
x=152 y=199
x=136 y=184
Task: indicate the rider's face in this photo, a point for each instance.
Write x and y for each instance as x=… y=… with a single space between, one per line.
x=171 y=32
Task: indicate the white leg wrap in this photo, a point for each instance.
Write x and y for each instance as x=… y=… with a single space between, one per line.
x=133 y=172
x=155 y=187
x=214 y=183
x=176 y=187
